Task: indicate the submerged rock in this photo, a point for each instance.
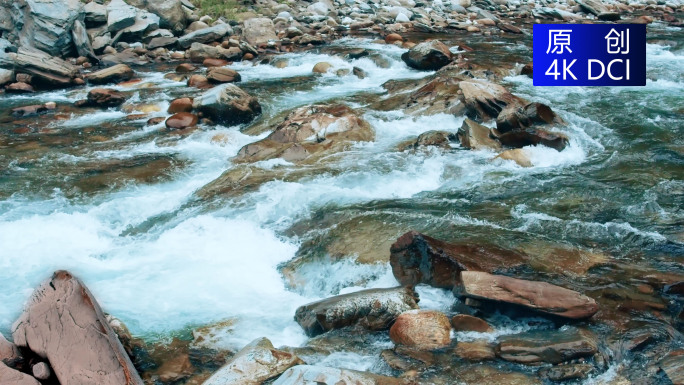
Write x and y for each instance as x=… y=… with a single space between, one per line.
x=566 y=372
x=475 y=351
x=64 y=324
x=533 y=295
x=430 y=55
x=533 y=136
x=417 y=258
x=515 y=117
x=307 y=131
x=228 y=104
x=547 y=346
x=113 y=74
x=374 y=309
x=319 y=375
x=441 y=139
x=254 y=364
x=518 y=155
x=421 y=329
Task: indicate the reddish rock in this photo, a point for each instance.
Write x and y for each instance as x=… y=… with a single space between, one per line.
x=180 y=105
x=527 y=70
x=421 y=329
x=211 y=62
x=181 y=121
x=554 y=346
x=417 y=258
x=514 y=117
x=533 y=295
x=223 y=75
x=199 y=81
x=10 y=376
x=468 y=323
x=248 y=56
x=475 y=351
x=185 y=68
x=64 y=324
x=393 y=37
x=19 y=88
x=156 y=120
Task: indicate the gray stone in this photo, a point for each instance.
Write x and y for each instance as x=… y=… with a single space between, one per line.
x=205 y=35
x=258 y=31
x=95 y=14
x=120 y=15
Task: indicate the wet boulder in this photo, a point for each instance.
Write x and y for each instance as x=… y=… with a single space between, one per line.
x=421 y=329
x=180 y=105
x=319 y=375
x=113 y=74
x=417 y=258
x=257 y=362
x=533 y=136
x=475 y=351
x=514 y=117
x=550 y=346
x=374 y=309
x=64 y=324
x=308 y=131
x=11 y=376
x=205 y=35
x=144 y=23
x=181 y=121
x=485 y=100
x=223 y=75
x=258 y=31
x=468 y=323
x=566 y=372
x=536 y=296
x=440 y=139
x=518 y=155
x=102 y=97
x=228 y=104
x=428 y=56
x=475 y=136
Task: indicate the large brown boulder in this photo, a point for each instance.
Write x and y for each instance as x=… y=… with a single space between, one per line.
x=475 y=136
x=417 y=258
x=547 y=346
x=430 y=56
x=113 y=74
x=181 y=121
x=533 y=295
x=102 y=97
x=228 y=104
x=180 y=105
x=514 y=117
x=222 y=75
x=307 y=131
x=9 y=376
x=254 y=364
x=421 y=329
x=484 y=100
x=64 y=324
x=319 y=375
x=374 y=309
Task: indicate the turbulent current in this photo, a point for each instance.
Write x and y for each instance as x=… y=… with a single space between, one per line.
x=114 y=201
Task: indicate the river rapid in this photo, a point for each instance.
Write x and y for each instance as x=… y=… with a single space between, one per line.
x=112 y=199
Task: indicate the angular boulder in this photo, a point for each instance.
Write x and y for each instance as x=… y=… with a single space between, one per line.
x=307 y=131
x=64 y=324
x=475 y=136
x=228 y=104
x=223 y=75
x=515 y=117
x=120 y=15
x=532 y=137
x=553 y=346
x=537 y=296
x=484 y=100
x=170 y=12
x=320 y=375
x=10 y=376
x=205 y=35
x=421 y=329
x=9 y=353
x=102 y=97
x=258 y=31
x=199 y=52
x=95 y=14
x=44 y=69
x=257 y=362
x=43 y=24
x=417 y=258
x=113 y=74
x=428 y=56
x=374 y=309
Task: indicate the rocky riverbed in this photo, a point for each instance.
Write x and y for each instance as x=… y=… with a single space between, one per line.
x=334 y=192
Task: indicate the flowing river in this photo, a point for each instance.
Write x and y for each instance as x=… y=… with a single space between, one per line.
x=102 y=194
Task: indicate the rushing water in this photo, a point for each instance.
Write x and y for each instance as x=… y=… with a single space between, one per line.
x=113 y=200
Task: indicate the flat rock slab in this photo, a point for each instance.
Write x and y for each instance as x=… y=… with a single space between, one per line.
x=375 y=309
x=552 y=346
x=319 y=375
x=64 y=324
x=254 y=364
x=538 y=296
